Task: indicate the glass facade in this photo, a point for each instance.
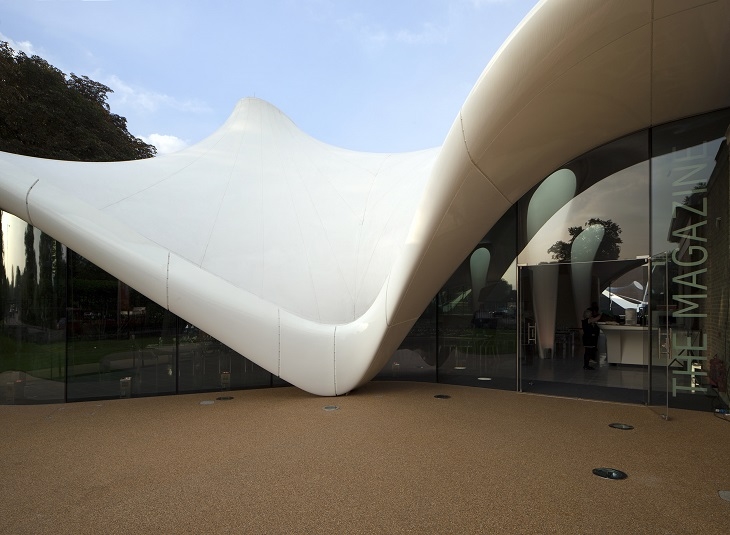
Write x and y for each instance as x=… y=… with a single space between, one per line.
x=637 y=226
x=468 y=334
x=584 y=232
x=32 y=302
x=689 y=248
x=72 y=332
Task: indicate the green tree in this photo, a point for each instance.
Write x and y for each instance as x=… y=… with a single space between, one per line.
x=45 y=281
x=29 y=296
x=609 y=248
x=59 y=278
x=44 y=113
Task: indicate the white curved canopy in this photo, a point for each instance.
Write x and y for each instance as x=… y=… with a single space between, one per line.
x=306 y=226
x=314 y=261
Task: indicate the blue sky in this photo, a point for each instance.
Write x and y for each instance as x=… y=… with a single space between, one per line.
x=383 y=76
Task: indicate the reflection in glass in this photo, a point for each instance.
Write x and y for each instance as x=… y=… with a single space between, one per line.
x=689 y=245
x=32 y=292
x=618 y=203
x=594 y=223
x=71 y=331
x=207 y=364
x=550 y=196
x=122 y=344
x=467 y=335
x=645 y=238
x=416 y=358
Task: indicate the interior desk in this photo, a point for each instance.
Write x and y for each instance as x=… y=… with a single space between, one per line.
x=626 y=344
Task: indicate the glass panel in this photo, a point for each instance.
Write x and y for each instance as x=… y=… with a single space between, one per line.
x=605 y=191
x=583 y=237
x=120 y=343
x=477 y=322
x=690 y=246
x=604 y=355
x=207 y=364
x=658 y=317
x=416 y=358
x=467 y=335
x=32 y=292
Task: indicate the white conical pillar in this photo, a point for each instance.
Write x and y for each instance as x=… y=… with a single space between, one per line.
x=582 y=253
x=545 y=297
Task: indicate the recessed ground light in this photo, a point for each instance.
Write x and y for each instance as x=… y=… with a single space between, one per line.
x=330 y=407
x=225 y=398
x=624 y=427
x=484 y=378
x=610 y=473
x=207 y=402
x=725 y=495
x=442 y=396
x=460 y=367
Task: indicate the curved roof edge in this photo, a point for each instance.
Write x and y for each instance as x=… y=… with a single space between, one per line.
x=575 y=75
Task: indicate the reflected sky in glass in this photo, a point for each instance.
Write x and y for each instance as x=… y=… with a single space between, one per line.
x=622 y=197
x=668 y=168
x=14 y=243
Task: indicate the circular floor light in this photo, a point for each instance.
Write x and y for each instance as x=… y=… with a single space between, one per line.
x=484 y=378
x=207 y=402
x=330 y=407
x=442 y=396
x=725 y=495
x=610 y=473
x=224 y=398
x=623 y=427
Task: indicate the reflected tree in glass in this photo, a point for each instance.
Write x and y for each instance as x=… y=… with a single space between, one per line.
x=609 y=248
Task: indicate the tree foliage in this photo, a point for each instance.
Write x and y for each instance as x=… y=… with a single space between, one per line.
x=46 y=114
x=609 y=248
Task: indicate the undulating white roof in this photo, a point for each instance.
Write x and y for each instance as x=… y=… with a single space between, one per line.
x=311 y=228
x=314 y=261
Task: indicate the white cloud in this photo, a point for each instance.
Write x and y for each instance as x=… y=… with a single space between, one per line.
x=19 y=46
x=378 y=37
x=479 y=3
x=437 y=32
x=148 y=101
x=165 y=144
x=430 y=33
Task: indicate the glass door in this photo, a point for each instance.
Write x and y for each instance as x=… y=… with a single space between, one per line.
x=568 y=347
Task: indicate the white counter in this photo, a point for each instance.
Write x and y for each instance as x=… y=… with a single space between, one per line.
x=626 y=344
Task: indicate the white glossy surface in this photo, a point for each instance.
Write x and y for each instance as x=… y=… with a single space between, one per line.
x=314 y=261
x=575 y=74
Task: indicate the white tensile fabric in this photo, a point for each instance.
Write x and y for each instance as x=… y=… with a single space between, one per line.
x=306 y=226
x=314 y=261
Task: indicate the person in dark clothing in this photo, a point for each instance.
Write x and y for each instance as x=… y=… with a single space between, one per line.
x=591 y=317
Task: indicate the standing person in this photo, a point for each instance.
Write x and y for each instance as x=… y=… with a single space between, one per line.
x=590 y=335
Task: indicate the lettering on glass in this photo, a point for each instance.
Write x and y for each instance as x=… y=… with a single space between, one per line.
x=689 y=291
x=691 y=357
